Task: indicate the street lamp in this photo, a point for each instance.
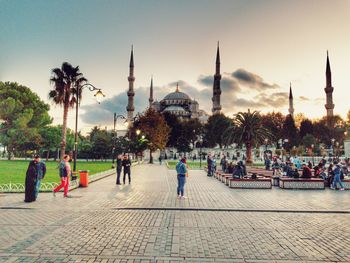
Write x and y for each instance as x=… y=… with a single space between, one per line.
x=200 y=150
x=98 y=95
x=115 y=135
x=312 y=154
x=265 y=154
x=332 y=140
x=283 y=143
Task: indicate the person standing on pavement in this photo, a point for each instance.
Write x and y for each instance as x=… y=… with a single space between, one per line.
x=65 y=172
x=41 y=171
x=160 y=159
x=337 y=172
x=119 y=167
x=31 y=180
x=182 y=172
x=127 y=168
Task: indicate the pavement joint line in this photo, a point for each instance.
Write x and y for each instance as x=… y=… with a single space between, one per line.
x=15 y=208
x=232 y=210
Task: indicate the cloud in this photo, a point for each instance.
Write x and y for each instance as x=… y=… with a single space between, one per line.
x=241 y=90
x=302 y=98
x=252 y=80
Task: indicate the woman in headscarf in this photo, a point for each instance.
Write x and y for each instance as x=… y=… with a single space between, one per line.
x=30 y=184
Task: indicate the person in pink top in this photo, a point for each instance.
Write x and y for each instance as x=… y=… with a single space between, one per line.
x=65 y=172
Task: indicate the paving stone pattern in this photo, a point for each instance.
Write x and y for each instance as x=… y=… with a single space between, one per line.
x=144 y=222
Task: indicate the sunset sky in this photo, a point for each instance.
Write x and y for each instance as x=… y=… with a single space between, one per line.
x=264 y=46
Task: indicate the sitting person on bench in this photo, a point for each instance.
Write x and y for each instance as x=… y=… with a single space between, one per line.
x=306 y=171
x=238 y=171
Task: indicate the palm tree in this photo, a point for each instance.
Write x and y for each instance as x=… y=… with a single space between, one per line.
x=67 y=82
x=247 y=130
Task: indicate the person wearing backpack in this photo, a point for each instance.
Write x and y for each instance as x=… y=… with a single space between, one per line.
x=65 y=172
x=181 y=171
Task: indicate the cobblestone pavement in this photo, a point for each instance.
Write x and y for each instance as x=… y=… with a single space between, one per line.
x=144 y=222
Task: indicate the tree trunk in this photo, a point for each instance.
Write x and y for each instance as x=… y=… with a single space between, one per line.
x=249 y=153
x=64 y=130
x=150 y=157
x=47 y=155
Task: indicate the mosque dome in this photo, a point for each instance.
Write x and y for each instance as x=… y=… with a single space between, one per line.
x=175 y=109
x=177 y=95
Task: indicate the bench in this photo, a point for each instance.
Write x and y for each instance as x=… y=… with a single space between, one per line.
x=301 y=183
x=264 y=183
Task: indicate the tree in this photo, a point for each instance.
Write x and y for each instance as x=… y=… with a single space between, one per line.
x=102 y=145
x=67 y=81
x=248 y=131
x=22 y=114
x=306 y=127
x=51 y=138
x=290 y=132
x=175 y=125
x=213 y=129
x=153 y=125
x=273 y=121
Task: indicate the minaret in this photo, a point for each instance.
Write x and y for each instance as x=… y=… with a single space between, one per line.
x=329 y=92
x=216 y=85
x=130 y=108
x=291 y=107
x=151 y=93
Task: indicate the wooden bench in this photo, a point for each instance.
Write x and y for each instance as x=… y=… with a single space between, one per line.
x=301 y=183
x=250 y=183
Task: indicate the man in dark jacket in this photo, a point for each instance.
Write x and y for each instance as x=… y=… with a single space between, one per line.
x=119 y=167
x=127 y=168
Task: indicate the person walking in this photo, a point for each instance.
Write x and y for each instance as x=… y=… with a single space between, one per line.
x=181 y=171
x=31 y=180
x=126 y=168
x=41 y=171
x=65 y=172
x=160 y=159
x=119 y=167
x=337 y=172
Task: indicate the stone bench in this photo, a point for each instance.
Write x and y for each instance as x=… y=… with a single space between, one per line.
x=264 y=183
x=301 y=183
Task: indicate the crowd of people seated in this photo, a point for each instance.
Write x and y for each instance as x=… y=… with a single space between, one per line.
x=332 y=172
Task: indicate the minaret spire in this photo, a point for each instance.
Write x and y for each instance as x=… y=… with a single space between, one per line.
x=291 y=106
x=216 y=85
x=151 y=93
x=131 y=93
x=329 y=92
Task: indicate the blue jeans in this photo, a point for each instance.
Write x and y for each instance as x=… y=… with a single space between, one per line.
x=336 y=180
x=181 y=180
x=37 y=188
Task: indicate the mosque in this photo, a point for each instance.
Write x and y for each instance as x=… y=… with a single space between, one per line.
x=182 y=106
x=178 y=103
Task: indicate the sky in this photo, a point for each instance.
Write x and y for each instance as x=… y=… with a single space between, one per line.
x=264 y=46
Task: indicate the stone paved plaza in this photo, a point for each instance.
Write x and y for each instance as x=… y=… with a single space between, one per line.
x=144 y=222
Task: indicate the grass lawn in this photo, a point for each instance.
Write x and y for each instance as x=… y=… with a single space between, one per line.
x=15 y=171
x=192 y=165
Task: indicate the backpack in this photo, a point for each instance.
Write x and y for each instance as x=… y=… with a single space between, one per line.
x=63 y=170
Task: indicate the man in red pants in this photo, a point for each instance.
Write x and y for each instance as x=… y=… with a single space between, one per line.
x=65 y=172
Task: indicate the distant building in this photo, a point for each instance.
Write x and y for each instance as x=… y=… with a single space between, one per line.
x=179 y=104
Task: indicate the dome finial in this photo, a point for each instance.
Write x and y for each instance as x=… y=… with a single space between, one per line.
x=177 y=87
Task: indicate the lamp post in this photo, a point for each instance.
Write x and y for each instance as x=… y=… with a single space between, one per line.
x=98 y=95
x=312 y=154
x=265 y=154
x=115 y=135
x=332 y=140
x=200 y=150
x=337 y=150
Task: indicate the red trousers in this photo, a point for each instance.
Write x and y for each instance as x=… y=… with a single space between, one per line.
x=65 y=184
